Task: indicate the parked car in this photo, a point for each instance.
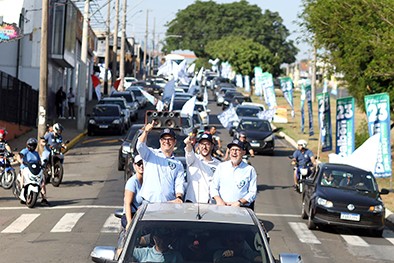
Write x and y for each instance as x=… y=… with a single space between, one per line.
x=125 y=147
x=259 y=134
x=343 y=195
x=106 y=118
x=123 y=105
x=131 y=102
x=136 y=90
x=195 y=233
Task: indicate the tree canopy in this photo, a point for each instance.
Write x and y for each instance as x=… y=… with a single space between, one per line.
x=204 y=22
x=358 y=36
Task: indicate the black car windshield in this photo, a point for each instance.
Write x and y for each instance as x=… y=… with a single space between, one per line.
x=128 y=97
x=106 y=111
x=196 y=241
x=255 y=125
x=348 y=178
x=117 y=102
x=137 y=92
x=247 y=111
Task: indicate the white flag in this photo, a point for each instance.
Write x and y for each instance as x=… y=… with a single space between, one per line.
x=199 y=75
x=227 y=117
x=188 y=107
x=205 y=97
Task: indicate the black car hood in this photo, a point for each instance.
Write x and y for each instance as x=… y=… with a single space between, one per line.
x=105 y=118
x=345 y=196
x=256 y=135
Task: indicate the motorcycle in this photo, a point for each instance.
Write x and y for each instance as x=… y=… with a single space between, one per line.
x=7 y=172
x=32 y=179
x=53 y=169
x=245 y=159
x=303 y=172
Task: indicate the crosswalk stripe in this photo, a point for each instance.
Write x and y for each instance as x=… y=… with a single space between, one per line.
x=21 y=223
x=111 y=225
x=303 y=233
x=389 y=235
x=67 y=222
x=355 y=240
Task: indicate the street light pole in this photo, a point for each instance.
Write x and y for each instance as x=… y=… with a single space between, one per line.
x=122 y=47
x=145 y=45
x=115 y=42
x=42 y=98
x=84 y=57
x=107 y=34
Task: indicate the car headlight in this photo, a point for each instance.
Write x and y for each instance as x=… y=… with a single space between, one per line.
x=376 y=208
x=220 y=99
x=91 y=121
x=116 y=122
x=126 y=149
x=225 y=102
x=235 y=124
x=324 y=202
x=269 y=138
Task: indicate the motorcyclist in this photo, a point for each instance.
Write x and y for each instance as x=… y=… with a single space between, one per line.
x=30 y=155
x=52 y=138
x=4 y=147
x=302 y=157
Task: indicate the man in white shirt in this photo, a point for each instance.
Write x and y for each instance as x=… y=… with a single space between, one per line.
x=164 y=175
x=234 y=181
x=200 y=169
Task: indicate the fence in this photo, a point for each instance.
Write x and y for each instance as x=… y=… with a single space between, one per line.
x=18 y=101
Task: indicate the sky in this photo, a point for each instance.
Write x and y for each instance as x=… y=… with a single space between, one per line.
x=162 y=11
x=165 y=10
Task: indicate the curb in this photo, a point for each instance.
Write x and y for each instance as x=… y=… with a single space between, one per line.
x=74 y=141
x=389 y=214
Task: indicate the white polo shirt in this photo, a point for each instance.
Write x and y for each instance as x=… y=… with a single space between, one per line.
x=163 y=177
x=233 y=183
x=199 y=177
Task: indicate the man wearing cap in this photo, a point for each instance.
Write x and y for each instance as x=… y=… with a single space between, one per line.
x=234 y=181
x=200 y=169
x=247 y=146
x=163 y=177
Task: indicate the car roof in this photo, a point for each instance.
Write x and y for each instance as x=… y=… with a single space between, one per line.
x=248 y=107
x=344 y=166
x=252 y=119
x=189 y=212
x=113 y=98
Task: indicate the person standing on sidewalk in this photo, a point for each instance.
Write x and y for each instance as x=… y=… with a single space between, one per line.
x=71 y=103
x=59 y=101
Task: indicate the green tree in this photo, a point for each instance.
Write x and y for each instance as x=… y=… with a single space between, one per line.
x=358 y=36
x=242 y=53
x=202 y=22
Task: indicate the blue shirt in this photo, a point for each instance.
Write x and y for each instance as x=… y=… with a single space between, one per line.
x=303 y=159
x=150 y=254
x=133 y=185
x=52 y=139
x=233 y=183
x=29 y=157
x=163 y=177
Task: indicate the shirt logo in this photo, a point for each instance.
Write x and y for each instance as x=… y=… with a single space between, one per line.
x=241 y=184
x=171 y=165
x=213 y=169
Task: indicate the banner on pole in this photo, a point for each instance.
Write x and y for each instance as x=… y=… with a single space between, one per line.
x=377 y=107
x=345 y=128
x=323 y=102
x=258 y=81
x=268 y=88
x=286 y=84
x=308 y=93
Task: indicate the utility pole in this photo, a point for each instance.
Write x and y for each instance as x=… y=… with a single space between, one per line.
x=42 y=99
x=313 y=80
x=107 y=34
x=115 y=43
x=84 y=57
x=145 y=45
x=153 y=48
x=122 y=47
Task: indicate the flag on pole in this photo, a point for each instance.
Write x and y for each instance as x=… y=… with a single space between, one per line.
x=97 y=86
x=205 y=97
x=169 y=89
x=188 y=107
x=148 y=96
x=345 y=143
x=324 y=110
x=286 y=85
x=199 y=75
x=227 y=117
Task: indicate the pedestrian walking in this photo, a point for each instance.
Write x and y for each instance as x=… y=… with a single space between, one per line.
x=71 y=103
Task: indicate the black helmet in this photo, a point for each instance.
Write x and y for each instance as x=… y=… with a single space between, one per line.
x=32 y=144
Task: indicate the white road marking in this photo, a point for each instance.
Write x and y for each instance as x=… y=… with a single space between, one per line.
x=67 y=222
x=21 y=223
x=389 y=235
x=303 y=233
x=62 y=207
x=276 y=215
x=111 y=225
x=355 y=241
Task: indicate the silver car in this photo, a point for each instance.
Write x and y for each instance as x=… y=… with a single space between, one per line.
x=191 y=232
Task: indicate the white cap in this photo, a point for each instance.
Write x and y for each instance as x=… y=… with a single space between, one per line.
x=137 y=158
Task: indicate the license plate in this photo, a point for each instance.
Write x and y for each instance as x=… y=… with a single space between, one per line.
x=351 y=217
x=103 y=126
x=255 y=144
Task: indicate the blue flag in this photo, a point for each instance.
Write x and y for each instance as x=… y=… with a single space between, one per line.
x=323 y=101
x=345 y=144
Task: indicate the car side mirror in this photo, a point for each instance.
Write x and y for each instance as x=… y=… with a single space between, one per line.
x=208 y=110
x=384 y=191
x=277 y=129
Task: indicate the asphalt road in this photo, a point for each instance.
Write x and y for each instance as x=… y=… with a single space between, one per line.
x=80 y=216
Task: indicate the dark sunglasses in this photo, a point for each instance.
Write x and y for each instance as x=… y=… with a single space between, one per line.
x=139 y=163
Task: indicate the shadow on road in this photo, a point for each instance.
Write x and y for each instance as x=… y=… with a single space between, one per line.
x=83 y=183
x=263 y=187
